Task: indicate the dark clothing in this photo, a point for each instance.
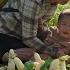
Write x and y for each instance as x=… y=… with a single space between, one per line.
x=8 y=42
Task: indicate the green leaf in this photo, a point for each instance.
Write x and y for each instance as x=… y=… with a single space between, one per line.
x=54 y=19
x=46 y=64
x=28 y=65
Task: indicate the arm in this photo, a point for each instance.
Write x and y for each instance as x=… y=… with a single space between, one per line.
x=35 y=44
x=29 y=27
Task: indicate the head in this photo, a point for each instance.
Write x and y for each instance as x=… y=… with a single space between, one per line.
x=59 y=1
x=64 y=24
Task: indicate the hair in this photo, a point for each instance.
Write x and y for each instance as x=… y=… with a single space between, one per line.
x=63 y=15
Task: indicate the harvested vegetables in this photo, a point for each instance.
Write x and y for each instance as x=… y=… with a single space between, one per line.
x=11 y=65
x=29 y=65
x=18 y=63
x=38 y=61
x=3 y=68
x=39 y=64
x=15 y=63
x=46 y=65
x=59 y=63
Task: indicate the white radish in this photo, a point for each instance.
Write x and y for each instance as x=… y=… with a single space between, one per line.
x=11 y=65
x=38 y=58
x=16 y=60
x=12 y=54
x=59 y=64
x=55 y=65
x=38 y=61
x=19 y=64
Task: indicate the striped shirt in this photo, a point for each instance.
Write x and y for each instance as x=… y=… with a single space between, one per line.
x=17 y=18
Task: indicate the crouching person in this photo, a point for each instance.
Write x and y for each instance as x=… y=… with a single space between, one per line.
x=18 y=28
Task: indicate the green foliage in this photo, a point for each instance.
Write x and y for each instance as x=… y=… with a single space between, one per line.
x=46 y=64
x=54 y=19
x=28 y=65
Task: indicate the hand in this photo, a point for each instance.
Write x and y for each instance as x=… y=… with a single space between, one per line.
x=24 y=53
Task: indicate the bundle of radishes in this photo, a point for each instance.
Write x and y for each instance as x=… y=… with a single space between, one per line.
x=14 y=63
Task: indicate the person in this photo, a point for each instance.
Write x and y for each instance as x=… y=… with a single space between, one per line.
x=59 y=41
x=18 y=21
x=18 y=25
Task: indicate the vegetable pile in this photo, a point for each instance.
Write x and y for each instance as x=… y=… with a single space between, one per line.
x=14 y=63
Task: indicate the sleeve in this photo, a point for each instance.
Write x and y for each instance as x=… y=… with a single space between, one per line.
x=38 y=1
x=36 y=44
x=29 y=27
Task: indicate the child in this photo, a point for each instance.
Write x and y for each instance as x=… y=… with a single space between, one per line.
x=59 y=42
